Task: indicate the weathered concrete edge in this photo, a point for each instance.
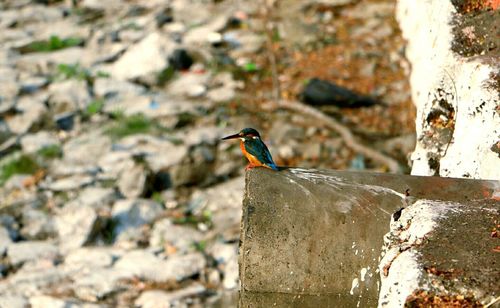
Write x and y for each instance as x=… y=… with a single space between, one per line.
x=461 y=90
x=414 y=269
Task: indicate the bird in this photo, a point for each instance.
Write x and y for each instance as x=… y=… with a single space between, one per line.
x=254 y=149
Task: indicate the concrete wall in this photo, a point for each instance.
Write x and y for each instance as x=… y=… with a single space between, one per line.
x=310 y=232
x=457 y=97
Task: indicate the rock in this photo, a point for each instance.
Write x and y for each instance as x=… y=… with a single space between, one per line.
x=146 y=58
x=245 y=42
x=33 y=84
x=115 y=163
x=157 y=107
x=226 y=256
x=206 y=34
x=65 y=121
x=159 y=299
x=222 y=94
x=143 y=264
x=282 y=132
x=164 y=17
x=153 y=299
x=9 y=146
x=32 y=111
x=77 y=225
x=160 y=154
x=9 y=90
x=5 y=132
x=196 y=91
x=37 y=225
x=366 y=11
x=222 y=253
x=131 y=35
x=5 y=240
x=96 y=197
x=21 y=252
x=70 y=183
x=16 y=181
x=181 y=267
x=43 y=63
x=86 y=149
x=322 y=92
x=195 y=168
x=332 y=3
x=147 y=266
x=36 y=13
x=13 y=301
x=400 y=146
x=90 y=257
x=11 y=225
x=97 y=284
x=165 y=233
x=45 y=301
x=101 y=5
x=32 y=143
x=68 y=96
x=231 y=274
x=312 y=151
x=131 y=214
x=180 y=60
x=187 y=83
x=202 y=36
x=224 y=202
x=112 y=88
x=132 y=182
x=202 y=135
x=33 y=277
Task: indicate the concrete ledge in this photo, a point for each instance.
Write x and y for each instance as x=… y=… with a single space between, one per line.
x=313 y=232
x=442 y=253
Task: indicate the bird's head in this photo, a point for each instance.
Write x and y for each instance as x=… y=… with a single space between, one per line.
x=244 y=135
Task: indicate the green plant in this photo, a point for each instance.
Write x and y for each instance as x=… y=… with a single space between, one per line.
x=50 y=152
x=191 y=219
x=130 y=125
x=22 y=164
x=72 y=71
x=94 y=107
x=156 y=196
x=165 y=75
x=52 y=44
x=75 y=71
x=250 y=67
x=200 y=246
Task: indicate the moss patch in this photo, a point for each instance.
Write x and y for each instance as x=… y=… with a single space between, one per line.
x=52 y=44
x=50 y=152
x=22 y=164
x=131 y=125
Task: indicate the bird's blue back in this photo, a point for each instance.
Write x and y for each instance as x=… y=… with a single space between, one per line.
x=258 y=149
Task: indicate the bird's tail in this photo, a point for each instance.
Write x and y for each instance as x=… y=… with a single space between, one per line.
x=272 y=166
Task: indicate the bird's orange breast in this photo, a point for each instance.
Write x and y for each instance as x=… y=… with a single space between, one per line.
x=254 y=161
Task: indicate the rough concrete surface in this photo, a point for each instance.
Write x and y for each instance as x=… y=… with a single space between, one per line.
x=442 y=253
x=457 y=97
x=312 y=232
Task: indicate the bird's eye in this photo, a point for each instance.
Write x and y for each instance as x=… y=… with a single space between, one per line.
x=255 y=137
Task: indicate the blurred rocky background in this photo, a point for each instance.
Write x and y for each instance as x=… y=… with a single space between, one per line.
x=115 y=187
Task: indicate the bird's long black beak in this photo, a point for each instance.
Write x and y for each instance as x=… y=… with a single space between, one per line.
x=231 y=137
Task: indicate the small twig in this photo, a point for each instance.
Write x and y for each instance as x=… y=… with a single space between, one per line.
x=494 y=301
x=344 y=132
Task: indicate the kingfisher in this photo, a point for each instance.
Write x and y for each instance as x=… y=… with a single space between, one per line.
x=254 y=149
